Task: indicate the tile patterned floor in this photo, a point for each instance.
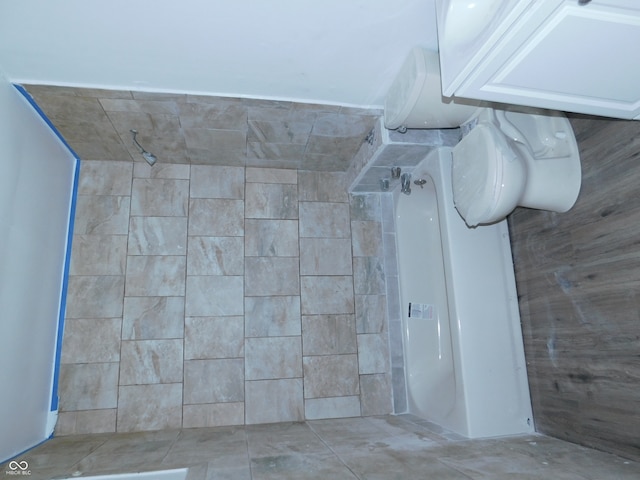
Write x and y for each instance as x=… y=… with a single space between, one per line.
x=385 y=448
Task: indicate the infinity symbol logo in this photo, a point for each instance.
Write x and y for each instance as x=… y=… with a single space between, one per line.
x=23 y=465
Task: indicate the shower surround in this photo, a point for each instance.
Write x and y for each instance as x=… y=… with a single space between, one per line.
x=205 y=295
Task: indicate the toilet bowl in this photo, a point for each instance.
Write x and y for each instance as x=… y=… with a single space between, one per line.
x=507 y=157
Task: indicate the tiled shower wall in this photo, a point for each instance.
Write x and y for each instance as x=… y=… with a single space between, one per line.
x=206 y=295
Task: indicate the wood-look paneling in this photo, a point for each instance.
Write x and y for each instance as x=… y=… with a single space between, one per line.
x=578 y=278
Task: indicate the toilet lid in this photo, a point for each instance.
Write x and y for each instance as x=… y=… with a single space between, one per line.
x=477 y=167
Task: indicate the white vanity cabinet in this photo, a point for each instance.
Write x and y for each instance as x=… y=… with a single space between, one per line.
x=573 y=55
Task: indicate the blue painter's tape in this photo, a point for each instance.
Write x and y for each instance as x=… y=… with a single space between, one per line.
x=67 y=261
x=65 y=284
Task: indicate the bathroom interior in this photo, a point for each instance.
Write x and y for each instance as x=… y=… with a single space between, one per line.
x=232 y=297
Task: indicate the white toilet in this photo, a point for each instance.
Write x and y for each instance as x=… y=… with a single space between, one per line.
x=506 y=158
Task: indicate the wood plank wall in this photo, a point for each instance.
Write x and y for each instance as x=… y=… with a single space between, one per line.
x=578 y=278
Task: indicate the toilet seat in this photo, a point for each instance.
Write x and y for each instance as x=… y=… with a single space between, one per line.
x=480 y=162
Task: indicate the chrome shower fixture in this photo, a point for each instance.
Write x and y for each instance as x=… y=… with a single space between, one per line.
x=148 y=156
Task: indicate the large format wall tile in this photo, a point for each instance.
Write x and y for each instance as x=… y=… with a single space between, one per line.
x=205 y=286
x=214 y=296
x=214 y=381
x=213 y=337
x=155 y=276
x=326 y=294
x=157 y=236
x=325 y=220
x=215 y=256
x=159 y=197
x=270 y=401
x=216 y=217
x=146 y=318
x=271 y=200
x=151 y=361
x=273 y=357
x=270 y=276
x=272 y=316
x=331 y=376
x=149 y=407
x=88 y=386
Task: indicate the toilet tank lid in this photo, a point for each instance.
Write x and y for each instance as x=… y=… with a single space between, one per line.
x=477 y=167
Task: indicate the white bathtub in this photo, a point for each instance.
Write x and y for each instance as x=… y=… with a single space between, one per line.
x=464 y=357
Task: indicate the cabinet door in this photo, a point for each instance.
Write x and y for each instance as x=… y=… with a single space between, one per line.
x=579 y=58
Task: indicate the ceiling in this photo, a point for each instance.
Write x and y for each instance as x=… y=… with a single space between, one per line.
x=341 y=52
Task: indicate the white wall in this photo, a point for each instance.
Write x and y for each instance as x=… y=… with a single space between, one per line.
x=321 y=51
x=36 y=183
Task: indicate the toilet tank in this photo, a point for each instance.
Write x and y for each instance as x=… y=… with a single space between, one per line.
x=415 y=98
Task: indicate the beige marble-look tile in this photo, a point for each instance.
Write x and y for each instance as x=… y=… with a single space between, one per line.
x=365 y=207
x=213 y=415
x=373 y=353
x=105 y=178
x=157 y=236
x=325 y=256
x=323 y=219
x=375 y=394
x=332 y=407
x=326 y=294
x=151 y=361
x=267 y=238
x=88 y=386
x=271 y=401
x=337 y=149
x=343 y=125
x=221 y=114
x=216 y=147
x=161 y=170
x=219 y=217
x=95 y=296
x=296 y=132
x=213 y=381
x=328 y=334
x=147 y=318
x=331 y=376
x=275 y=155
x=86 y=422
x=215 y=256
x=267 y=276
x=213 y=337
x=155 y=276
x=149 y=407
x=368 y=276
x=213 y=181
x=366 y=238
x=272 y=316
x=370 y=313
x=159 y=197
x=271 y=175
x=102 y=215
x=273 y=357
x=322 y=187
x=326 y=161
x=166 y=107
x=271 y=200
x=94 y=340
x=98 y=255
x=214 y=296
